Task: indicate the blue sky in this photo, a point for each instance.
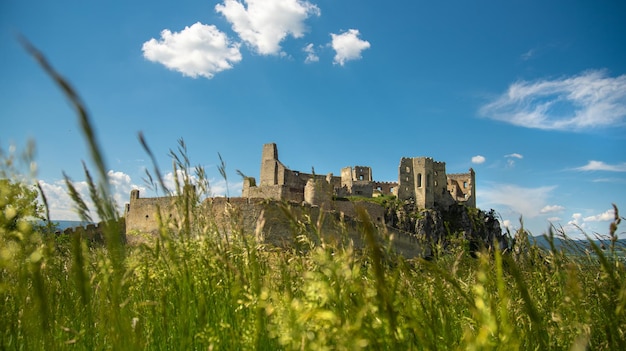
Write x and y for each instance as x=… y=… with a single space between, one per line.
x=531 y=94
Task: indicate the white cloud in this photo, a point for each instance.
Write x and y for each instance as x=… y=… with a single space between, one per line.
x=517 y=200
x=506 y=224
x=62 y=206
x=219 y=188
x=311 y=55
x=605 y=216
x=478 y=159
x=554 y=219
x=348 y=46
x=576 y=224
x=515 y=155
x=551 y=209
x=601 y=166
x=579 y=225
x=588 y=100
x=199 y=50
x=264 y=24
x=510 y=162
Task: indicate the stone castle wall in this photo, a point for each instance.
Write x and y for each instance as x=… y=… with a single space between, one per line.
x=461 y=187
x=421 y=181
x=93 y=232
x=141 y=213
x=243 y=214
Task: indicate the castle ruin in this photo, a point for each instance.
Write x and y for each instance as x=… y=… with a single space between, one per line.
x=420 y=179
x=422 y=182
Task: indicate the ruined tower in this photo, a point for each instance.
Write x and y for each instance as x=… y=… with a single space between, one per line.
x=462 y=187
x=269 y=165
x=423 y=180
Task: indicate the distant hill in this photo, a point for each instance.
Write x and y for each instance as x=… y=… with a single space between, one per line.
x=573 y=245
x=62 y=225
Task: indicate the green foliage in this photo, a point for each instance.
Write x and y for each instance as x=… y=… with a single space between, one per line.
x=19 y=206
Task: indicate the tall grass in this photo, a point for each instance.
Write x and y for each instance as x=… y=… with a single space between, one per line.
x=200 y=285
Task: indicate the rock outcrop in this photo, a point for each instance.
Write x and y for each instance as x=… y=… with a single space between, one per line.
x=438 y=226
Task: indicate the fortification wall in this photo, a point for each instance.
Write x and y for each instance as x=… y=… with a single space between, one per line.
x=94 y=232
x=141 y=213
x=406 y=180
x=385 y=188
x=462 y=188
x=318 y=193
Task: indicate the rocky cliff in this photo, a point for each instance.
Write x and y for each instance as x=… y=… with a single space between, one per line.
x=440 y=226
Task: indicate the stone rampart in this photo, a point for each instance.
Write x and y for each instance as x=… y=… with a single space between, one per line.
x=94 y=232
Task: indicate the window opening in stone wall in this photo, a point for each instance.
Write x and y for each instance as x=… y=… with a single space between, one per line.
x=419 y=180
x=408 y=170
x=435 y=183
x=361 y=177
x=465 y=184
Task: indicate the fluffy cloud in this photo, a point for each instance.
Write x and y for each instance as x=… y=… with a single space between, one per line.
x=575 y=224
x=515 y=199
x=199 y=50
x=311 y=55
x=478 y=159
x=264 y=24
x=216 y=186
x=551 y=209
x=605 y=216
x=219 y=187
x=62 y=206
x=601 y=166
x=348 y=46
x=580 y=224
x=590 y=99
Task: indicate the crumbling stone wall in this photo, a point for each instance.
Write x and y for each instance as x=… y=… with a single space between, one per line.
x=385 y=188
x=94 y=233
x=141 y=213
x=462 y=188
